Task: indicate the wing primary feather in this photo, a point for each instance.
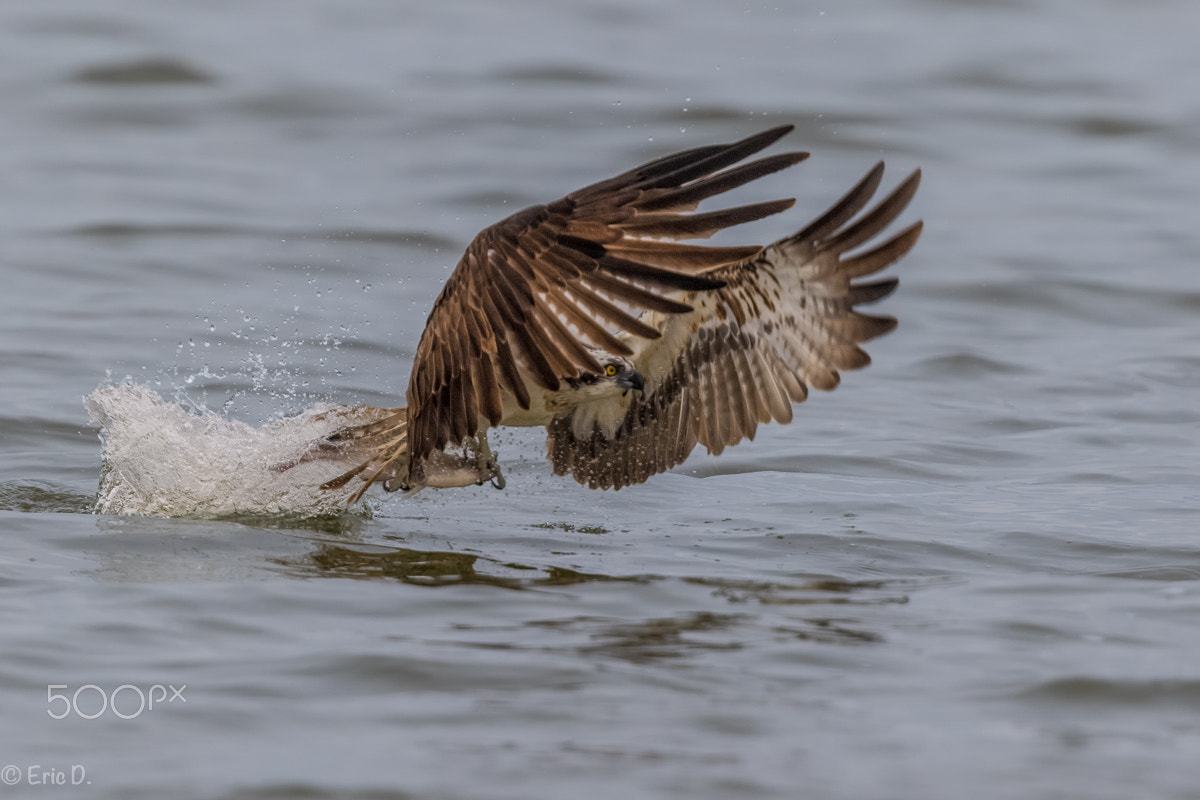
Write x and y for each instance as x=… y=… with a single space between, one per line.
x=671 y=255
x=713 y=394
x=518 y=324
x=857 y=327
x=634 y=294
x=660 y=277
x=344 y=478
x=515 y=297
x=739 y=410
x=504 y=355
x=668 y=441
x=462 y=424
x=588 y=247
x=579 y=355
x=691 y=195
x=668 y=225
x=667 y=278
x=879 y=257
x=514 y=261
x=751 y=379
x=878 y=218
x=512 y=377
x=706 y=163
x=870 y=292
x=780 y=404
x=491 y=404
x=843 y=210
x=552 y=364
x=796 y=389
x=606 y=309
x=567 y=265
x=659 y=167
x=362 y=431
x=473 y=391
x=666 y=168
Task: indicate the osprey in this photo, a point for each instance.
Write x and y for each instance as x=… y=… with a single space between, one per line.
x=589 y=317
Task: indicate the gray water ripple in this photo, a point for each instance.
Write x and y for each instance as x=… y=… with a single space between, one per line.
x=143 y=72
x=44 y=497
x=1175 y=695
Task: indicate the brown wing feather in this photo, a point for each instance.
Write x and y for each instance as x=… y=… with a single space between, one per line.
x=784 y=320
x=592 y=262
x=373 y=446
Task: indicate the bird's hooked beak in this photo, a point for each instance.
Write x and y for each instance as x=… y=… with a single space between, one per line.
x=631 y=379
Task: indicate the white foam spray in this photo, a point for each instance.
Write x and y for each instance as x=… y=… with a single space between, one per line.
x=162 y=460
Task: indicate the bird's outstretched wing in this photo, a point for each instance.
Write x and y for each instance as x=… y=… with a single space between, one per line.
x=784 y=320
x=534 y=291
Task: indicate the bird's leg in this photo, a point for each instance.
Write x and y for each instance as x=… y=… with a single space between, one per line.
x=470 y=465
x=486 y=461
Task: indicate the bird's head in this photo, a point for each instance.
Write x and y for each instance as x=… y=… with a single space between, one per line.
x=618 y=377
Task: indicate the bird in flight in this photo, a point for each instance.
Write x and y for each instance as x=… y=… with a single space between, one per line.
x=590 y=317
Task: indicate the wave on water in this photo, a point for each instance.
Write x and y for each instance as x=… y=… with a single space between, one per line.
x=161 y=460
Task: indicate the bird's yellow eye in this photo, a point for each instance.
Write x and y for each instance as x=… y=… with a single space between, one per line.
x=610 y=370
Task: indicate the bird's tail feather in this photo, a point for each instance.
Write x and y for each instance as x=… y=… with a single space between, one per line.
x=375 y=443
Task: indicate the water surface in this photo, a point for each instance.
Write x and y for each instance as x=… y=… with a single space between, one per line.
x=970 y=572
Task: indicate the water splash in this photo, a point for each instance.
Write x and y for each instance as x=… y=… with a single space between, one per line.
x=160 y=459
